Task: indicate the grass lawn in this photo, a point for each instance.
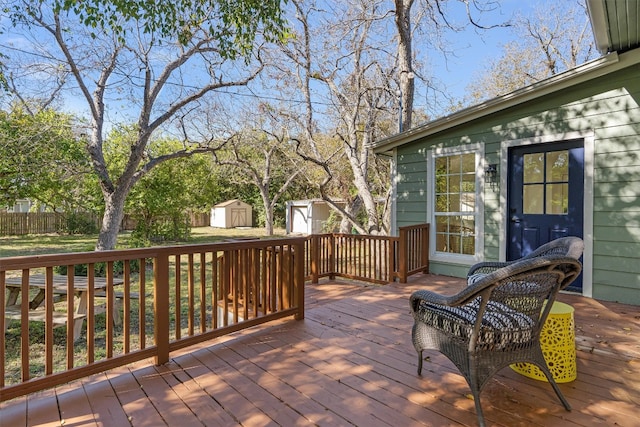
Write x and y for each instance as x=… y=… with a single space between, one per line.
x=55 y=243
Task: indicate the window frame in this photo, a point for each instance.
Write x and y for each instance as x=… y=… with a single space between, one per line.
x=478 y=150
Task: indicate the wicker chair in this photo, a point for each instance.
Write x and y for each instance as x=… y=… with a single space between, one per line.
x=494 y=322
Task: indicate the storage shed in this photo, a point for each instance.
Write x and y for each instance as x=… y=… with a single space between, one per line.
x=230 y=214
x=307 y=216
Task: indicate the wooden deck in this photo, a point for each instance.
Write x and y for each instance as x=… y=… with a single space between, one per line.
x=350 y=362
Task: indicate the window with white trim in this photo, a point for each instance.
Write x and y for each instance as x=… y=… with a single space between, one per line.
x=455 y=203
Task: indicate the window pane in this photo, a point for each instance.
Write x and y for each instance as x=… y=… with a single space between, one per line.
x=442 y=203
x=468 y=202
x=442 y=224
x=454 y=183
x=441 y=184
x=442 y=242
x=533 y=199
x=454 y=202
x=557 y=199
x=469 y=245
x=558 y=166
x=468 y=183
x=533 y=168
x=455 y=224
x=455 y=195
x=468 y=163
x=454 y=244
x=454 y=164
x=468 y=226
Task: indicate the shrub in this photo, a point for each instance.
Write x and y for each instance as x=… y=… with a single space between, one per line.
x=80 y=223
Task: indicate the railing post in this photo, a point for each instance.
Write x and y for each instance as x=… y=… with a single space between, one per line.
x=402 y=255
x=315 y=258
x=425 y=249
x=161 y=306
x=392 y=259
x=332 y=256
x=298 y=278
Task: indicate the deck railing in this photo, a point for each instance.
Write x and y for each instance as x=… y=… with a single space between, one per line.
x=196 y=293
x=376 y=259
x=153 y=301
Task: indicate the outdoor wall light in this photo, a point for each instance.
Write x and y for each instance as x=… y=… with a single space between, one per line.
x=491 y=175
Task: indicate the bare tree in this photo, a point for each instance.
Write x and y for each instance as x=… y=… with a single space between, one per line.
x=341 y=58
x=351 y=60
x=555 y=38
x=261 y=156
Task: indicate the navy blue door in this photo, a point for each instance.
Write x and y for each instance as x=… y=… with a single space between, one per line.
x=545 y=196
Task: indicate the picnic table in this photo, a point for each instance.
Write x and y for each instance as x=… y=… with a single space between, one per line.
x=59 y=286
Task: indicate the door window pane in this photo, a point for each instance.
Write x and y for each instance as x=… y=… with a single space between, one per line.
x=557 y=199
x=558 y=166
x=533 y=199
x=533 y=168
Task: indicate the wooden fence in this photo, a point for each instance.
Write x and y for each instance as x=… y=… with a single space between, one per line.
x=22 y=223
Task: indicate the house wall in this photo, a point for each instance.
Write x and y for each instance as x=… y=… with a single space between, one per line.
x=606 y=108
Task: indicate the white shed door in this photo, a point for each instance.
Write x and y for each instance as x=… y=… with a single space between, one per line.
x=299 y=219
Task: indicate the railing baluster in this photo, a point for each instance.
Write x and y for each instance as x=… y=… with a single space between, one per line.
x=142 y=312
x=70 y=323
x=178 y=297
x=109 y=309
x=215 y=286
x=203 y=293
x=190 y=294
x=48 y=324
x=90 y=314
x=126 y=307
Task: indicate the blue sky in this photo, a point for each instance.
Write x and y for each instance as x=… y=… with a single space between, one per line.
x=474 y=49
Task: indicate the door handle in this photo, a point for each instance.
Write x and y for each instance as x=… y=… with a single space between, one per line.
x=515 y=219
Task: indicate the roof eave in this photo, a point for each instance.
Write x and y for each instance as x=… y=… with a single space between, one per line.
x=599 y=25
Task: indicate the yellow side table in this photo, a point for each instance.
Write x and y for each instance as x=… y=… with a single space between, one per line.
x=558 y=342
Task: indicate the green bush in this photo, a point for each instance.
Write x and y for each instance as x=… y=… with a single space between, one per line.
x=80 y=223
x=99 y=268
x=165 y=229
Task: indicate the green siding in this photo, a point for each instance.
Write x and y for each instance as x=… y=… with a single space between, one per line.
x=609 y=107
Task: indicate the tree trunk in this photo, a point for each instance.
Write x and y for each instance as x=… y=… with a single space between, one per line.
x=268 y=210
x=405 y=67
x=113 y=214
x=268 y=221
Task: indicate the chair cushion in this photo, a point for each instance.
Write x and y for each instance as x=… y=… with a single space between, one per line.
x=501 y=325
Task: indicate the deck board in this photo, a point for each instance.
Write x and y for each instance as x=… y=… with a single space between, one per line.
x=350 y=362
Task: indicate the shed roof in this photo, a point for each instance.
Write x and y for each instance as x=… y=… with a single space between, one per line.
x=230 y=202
